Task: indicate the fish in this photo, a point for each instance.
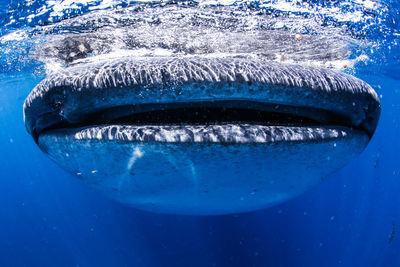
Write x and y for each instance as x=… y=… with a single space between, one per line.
x=197 y=134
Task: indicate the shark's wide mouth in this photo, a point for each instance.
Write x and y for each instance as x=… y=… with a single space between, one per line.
x=221 y=121
x=224 y=100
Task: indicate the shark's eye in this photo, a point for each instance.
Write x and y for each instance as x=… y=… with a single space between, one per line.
x=57 y=100
x=56 y=103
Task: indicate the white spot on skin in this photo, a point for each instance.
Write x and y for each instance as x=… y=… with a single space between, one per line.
x=81 y=48
x=136 y=154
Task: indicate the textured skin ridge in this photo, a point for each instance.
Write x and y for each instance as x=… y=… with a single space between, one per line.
x=229 y=133
x=149 y=72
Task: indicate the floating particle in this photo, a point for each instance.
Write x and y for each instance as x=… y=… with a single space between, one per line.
x=391 y=237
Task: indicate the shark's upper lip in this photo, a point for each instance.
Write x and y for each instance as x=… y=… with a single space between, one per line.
x=106 y=91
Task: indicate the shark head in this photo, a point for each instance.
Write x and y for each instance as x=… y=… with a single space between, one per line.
x=199 y=134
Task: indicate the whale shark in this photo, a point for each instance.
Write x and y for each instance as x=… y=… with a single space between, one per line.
x=199 y=131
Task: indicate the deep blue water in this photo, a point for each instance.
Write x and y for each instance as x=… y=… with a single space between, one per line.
x=47 y=218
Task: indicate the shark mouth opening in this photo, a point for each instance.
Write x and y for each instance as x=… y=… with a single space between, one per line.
x=209 y=122
x=216 y=101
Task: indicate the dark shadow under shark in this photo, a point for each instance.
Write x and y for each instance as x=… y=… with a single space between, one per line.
x=199 y=132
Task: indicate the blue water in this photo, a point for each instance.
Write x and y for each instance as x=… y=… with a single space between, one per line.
x=47 y=218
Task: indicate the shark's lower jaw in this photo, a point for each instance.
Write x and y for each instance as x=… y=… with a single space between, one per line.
x=172 y=175
x=201 y=136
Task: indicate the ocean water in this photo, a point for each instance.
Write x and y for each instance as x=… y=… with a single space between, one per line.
x=48 y=218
